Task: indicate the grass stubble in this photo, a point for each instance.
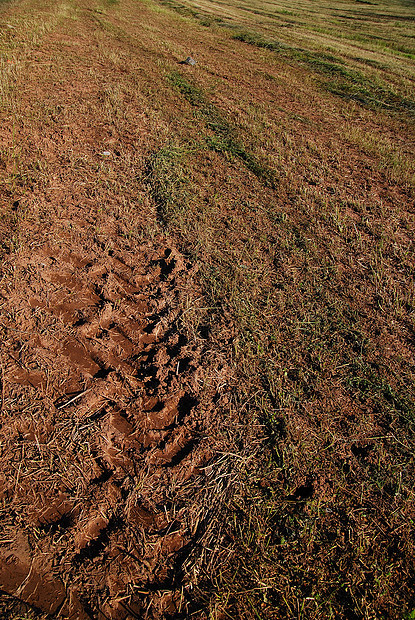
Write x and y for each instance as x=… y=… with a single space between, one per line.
x=283 y=167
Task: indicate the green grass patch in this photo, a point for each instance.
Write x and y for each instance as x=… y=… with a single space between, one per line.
x=168 y=182
x=259 y=41
x=225 y=138
x=371 y=95
x=371 y=385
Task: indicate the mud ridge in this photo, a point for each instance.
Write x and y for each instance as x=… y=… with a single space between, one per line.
x=104 y=433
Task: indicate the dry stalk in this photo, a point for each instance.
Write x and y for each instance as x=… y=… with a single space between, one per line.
x=2 y=384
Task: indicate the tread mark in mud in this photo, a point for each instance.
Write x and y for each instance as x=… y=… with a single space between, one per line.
x=113 y=376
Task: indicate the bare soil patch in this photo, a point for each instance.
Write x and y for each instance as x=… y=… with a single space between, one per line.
x=110 y=481
x=103 y=435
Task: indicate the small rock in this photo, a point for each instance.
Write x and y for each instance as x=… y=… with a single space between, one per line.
x=190 y=61
x=106 y=153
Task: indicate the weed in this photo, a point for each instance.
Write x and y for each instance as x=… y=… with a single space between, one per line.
x=168 y=183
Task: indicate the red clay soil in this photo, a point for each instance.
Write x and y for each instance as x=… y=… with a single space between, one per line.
x=107 y=486
x=102 y=435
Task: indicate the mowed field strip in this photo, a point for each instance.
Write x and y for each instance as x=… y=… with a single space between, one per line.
x=207 y=309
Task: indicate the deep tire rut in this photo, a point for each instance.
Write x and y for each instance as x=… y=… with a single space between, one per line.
x=104 y=433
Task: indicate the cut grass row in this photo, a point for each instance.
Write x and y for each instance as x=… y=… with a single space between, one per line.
x=345 y=82
x=378 y=89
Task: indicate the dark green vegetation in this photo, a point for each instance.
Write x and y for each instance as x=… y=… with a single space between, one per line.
x=225 y=138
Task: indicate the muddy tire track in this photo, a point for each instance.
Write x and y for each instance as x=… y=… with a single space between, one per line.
x=105 y=437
